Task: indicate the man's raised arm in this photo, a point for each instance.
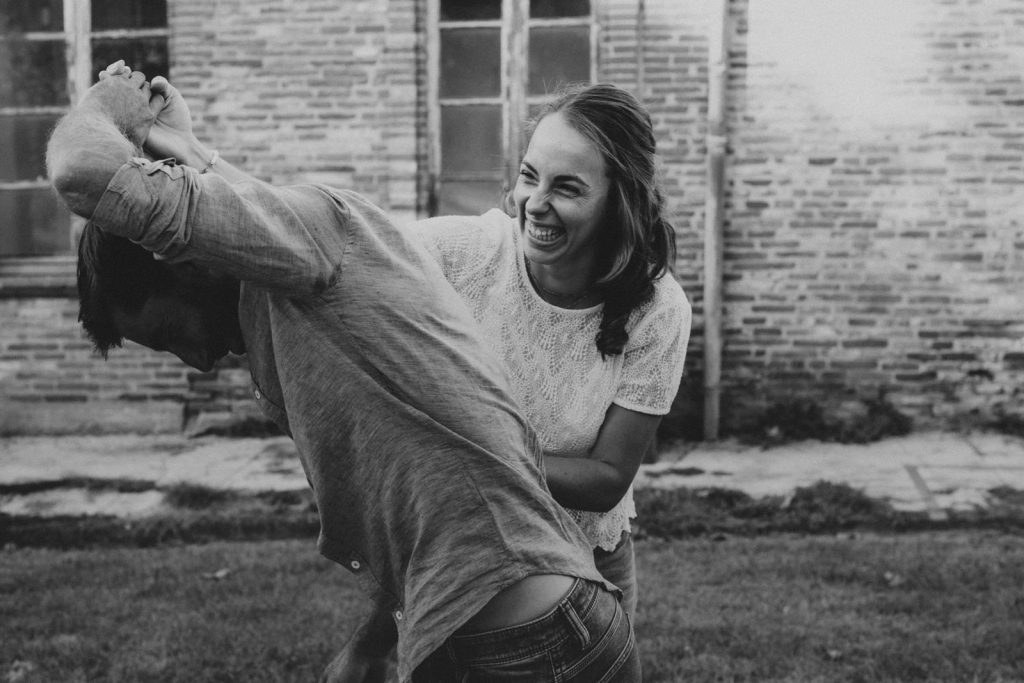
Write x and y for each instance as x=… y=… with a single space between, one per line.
x=91 y=142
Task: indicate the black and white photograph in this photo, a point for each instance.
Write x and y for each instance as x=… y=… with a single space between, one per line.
x=566 y=341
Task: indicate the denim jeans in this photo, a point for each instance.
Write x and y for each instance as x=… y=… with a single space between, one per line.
x=586 y=638
x=619 y=567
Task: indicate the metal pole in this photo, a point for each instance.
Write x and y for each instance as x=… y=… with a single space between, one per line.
x=718 y=59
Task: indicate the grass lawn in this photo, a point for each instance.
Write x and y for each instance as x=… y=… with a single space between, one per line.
x=931 y=606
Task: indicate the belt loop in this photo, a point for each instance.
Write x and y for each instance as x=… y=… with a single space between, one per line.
x=575 y=622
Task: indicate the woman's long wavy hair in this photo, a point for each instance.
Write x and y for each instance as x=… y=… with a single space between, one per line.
x=637 y=244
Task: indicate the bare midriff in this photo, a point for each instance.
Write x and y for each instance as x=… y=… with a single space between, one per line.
x=521 y=602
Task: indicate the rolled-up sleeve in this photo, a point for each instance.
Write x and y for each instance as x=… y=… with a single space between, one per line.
x=284 y=238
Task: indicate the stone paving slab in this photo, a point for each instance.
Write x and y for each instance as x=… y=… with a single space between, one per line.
x=955 y=471
x=257 y=464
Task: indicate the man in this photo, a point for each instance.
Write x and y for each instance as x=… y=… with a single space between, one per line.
x=427 y=477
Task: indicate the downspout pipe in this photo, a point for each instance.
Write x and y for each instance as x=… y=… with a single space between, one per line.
x=714 y=205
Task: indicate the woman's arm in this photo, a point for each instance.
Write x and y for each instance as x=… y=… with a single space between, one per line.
x=652 y=368
x=598 y=482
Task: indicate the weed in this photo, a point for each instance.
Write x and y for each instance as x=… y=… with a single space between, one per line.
x=87 y=483
x=825 y=505
x=1008 y=423
x=882 y=420
x=241 y=428
x=199 y=515
x=801 y=419
x=196 y=496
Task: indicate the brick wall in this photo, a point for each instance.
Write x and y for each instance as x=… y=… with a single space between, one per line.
x=50 y=382
x=872 y=237
x=291 y=91
x=307 y=91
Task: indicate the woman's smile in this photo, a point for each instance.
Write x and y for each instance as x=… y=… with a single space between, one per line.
x=544 y=235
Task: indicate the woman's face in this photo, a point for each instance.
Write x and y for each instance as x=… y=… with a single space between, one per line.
x=561 y=196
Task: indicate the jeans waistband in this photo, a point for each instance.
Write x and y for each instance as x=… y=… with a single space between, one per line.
x=567 y=619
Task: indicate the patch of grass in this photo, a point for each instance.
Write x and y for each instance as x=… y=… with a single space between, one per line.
x=941 y=607
x=849 y=608
x=197 y=497
x=88 y=483
x=201 y=515
x=823 y=507
x=881 y=420
x=802 y=419
x=247 y=427
x=88 y=532
x=1008 y=423
x=235 y=516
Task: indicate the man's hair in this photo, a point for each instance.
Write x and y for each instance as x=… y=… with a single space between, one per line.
x=638 y=244
x=113 y=272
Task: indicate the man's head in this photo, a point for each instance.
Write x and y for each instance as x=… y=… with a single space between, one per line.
x=124 y=293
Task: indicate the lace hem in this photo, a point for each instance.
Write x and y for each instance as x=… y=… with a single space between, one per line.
x=604 y=529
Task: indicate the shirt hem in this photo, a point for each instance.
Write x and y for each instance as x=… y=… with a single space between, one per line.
x=636 y=407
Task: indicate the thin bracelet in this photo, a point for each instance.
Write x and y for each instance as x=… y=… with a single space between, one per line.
x=211 y=162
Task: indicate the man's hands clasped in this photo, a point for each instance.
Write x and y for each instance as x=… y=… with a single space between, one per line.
x=153 y=115
x=127 y=100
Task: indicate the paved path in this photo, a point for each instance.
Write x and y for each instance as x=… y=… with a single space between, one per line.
x=931 y=471
x=927 y=471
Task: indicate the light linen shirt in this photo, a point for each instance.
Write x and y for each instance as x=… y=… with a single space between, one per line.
x=427 y=476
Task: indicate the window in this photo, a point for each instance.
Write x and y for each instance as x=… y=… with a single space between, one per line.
x=493 y=63
x=50 y=53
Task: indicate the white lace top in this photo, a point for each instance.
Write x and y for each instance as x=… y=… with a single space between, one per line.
x=557 y=373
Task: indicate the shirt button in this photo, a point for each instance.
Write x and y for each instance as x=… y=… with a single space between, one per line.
x=257 y=394
x=355 y=565
x=398 y=614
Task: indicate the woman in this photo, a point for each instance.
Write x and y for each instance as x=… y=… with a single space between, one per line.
x=573 y=293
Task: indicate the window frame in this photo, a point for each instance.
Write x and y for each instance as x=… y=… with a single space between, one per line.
x=77 y=36
x=515 y=24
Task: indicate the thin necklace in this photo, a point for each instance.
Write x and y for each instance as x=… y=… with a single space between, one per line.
x=557 y=295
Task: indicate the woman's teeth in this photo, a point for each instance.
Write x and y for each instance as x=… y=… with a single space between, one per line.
x=544 y=234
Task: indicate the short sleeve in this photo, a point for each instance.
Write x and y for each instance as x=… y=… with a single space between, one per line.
x=656 y=352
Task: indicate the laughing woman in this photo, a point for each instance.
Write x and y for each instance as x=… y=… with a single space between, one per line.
x=574 y=293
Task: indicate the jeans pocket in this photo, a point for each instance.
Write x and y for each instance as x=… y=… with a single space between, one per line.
x=611 y=654
x=531 y=667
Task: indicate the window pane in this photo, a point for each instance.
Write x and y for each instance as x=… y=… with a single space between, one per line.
x=549 y=9
x=148 y=55
x=112 y=14
x=23 y=139
x=469 y=197
x=558 y=55
x=471 y=139
x=471 y=62
x=19 y=16
x=33 y=222
x=32 y=74
x=470 y=10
